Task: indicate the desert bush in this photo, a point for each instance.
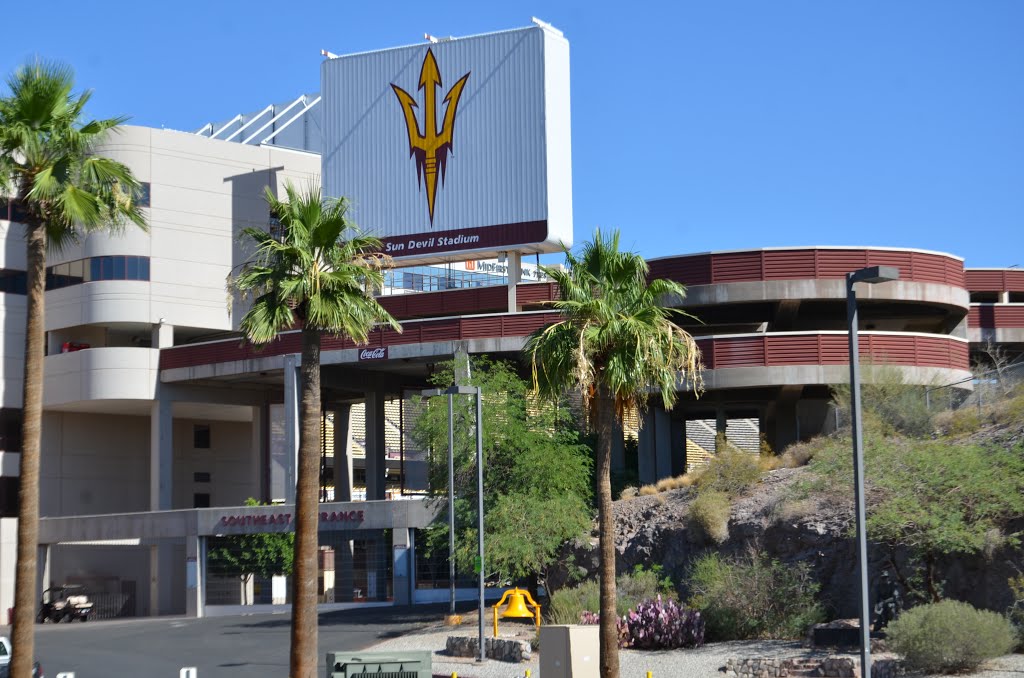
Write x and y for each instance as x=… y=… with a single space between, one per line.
x=730 y=471
x=568 y=605
x=661 y=625
x=753 y=597
x=949 y=637
x=958 y=422
x=710 y=511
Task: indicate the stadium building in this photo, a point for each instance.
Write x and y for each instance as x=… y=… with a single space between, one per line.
x=160 y=421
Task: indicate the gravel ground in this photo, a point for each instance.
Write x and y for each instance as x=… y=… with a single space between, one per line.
x=704 y=662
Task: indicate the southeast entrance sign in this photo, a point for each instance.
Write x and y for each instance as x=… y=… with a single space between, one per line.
x=458 y=149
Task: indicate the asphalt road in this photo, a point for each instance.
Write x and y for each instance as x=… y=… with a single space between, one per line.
x=254 y=646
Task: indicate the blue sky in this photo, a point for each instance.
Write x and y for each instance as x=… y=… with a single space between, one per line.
x=696 y=126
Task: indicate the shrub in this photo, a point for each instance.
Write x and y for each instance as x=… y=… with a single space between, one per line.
x=661 y=625
x=949 y=636
x=958 y=422
x=730 y=471
x=568 y=605
x=753 y=597
x=710 y=511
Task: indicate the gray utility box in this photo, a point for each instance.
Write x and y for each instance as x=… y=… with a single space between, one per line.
x=415 y=664
x=569 y=652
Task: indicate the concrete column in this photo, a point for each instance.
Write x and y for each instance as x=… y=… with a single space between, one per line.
x=646 y=449
x=376 y=454
x=515 y=270
x=195 y=576
x=678 y=446
x=163 y=335
x=43 y=567
x=258 y=460
x=618 y=448
x=291 y=425
x=161 y=452
x=401 y=568
x=662 y=443
x=343 y=453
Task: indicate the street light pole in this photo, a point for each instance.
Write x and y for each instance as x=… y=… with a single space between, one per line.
x=480 y=509
x=874 y=274
x=451 y=506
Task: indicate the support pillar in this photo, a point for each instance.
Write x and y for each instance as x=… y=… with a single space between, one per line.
x=678 y=446
x=376 y=453
x=662 y=443
x=401 y=567
x=291 y=426
x=259 y=458
x=646 y=453
x=618 y=448
x=195 y=576
x=514 y=264
x=343 y=452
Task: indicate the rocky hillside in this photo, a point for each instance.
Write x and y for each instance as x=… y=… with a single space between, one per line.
x=815 y=530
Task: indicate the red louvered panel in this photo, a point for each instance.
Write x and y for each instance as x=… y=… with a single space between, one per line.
x=440 y=330
x=928 y=268
x=534 y=293
x=692 y=270
x=741 y=352
x=788 y=264
x=888 y=350
x=736 y=267
x=984 y=281
x=707 y=352
x=834 y=349
x=1013 y=281
x=1009 y=316
x=901 y=260
x=791 y=350
x=837 y=263
x=974 y=317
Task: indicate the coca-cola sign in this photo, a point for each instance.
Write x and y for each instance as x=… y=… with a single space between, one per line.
x=379 y=353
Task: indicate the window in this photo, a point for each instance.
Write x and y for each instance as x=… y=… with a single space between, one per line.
x=10 y=430
x=201 y=436
x=142 y=197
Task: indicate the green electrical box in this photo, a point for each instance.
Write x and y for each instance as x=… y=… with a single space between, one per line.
x=414 y=664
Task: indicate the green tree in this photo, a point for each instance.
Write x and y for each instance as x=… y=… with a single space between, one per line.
x=616 y=343
x=316 y=274
x=928 y=499
x=536 y=489
x=263 y=554
x=49 y=167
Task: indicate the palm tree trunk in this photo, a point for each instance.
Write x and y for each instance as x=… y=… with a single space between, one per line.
x=28 y=502
x=304 y=573
x=609 y=634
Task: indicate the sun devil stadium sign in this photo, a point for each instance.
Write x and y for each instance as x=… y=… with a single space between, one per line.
x=454 y=147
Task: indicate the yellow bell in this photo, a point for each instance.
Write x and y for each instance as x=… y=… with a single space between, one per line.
x=519 y=603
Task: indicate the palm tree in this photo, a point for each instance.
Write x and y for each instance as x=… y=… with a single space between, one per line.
x=317 y=273
x=616 y=343
x=48 y=166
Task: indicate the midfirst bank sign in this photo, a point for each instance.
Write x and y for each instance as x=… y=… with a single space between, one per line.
x=455 y=149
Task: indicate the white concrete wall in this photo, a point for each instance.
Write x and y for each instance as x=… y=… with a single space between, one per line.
x=94 y=463
x=228 y=461
x=8 y=553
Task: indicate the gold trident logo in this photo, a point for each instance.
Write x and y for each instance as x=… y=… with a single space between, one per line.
x=430 y=147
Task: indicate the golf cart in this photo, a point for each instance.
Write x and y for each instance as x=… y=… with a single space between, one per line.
x=64 y=603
